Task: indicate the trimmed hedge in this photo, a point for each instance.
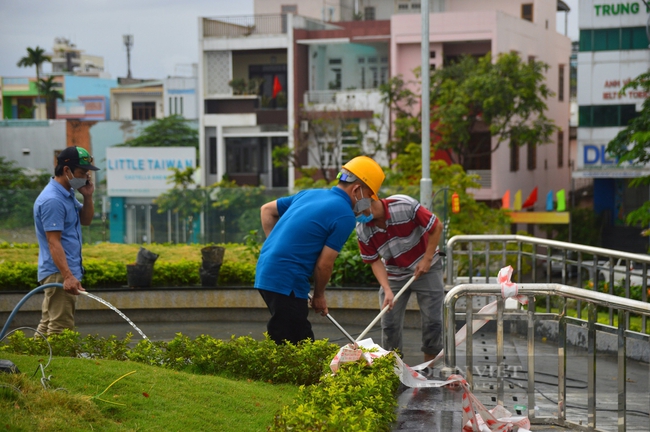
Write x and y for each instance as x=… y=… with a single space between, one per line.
x=102 y=274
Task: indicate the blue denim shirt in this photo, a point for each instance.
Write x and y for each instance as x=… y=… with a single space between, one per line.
x=57 y=209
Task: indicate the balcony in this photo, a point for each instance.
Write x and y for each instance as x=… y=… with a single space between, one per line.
x=249 y=25
x=343 y=100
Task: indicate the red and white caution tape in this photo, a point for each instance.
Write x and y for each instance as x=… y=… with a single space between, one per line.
x=476 y=417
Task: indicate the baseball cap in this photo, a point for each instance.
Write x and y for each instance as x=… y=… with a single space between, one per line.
x=76 y=157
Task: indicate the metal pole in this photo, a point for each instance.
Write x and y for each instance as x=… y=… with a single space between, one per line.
x=425 y=181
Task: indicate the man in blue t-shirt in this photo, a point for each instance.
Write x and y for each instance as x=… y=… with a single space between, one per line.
x=58 y=217
x=305 y=233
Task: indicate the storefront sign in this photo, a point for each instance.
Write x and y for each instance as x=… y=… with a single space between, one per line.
x=628 y=8
x=144 y=171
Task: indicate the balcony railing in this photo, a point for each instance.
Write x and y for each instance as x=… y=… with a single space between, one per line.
x=367 y=99
x=248 y=25
x=485 y=178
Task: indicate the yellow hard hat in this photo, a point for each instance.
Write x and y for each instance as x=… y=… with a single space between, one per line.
x=368 y=171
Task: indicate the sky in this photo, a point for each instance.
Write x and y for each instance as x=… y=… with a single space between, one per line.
x=165 y=31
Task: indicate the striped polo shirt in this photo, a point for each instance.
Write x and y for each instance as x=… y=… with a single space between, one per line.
x=404 y=241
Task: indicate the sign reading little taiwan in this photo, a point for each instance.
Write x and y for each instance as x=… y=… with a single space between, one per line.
x=144 y=171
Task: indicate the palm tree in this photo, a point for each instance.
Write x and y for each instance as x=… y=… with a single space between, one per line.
x=48 y=89
x=35 y=57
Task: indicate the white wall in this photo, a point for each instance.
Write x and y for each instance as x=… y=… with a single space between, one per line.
x=121 y=105
x=180 y=97
x=307 y=8
x=41 y=138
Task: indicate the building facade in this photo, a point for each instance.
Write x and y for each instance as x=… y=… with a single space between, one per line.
x=613 y=50
x=465 y=27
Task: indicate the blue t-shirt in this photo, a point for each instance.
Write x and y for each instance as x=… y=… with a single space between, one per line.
x=57 y=209
x=309 y=220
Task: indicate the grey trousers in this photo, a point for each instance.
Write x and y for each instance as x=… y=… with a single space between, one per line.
x=430 y=291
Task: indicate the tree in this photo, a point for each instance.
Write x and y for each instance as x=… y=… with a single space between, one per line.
x=505 y=98
x=330 y=139
x=172 y=131
x=474 y=218
x=632 y=145
x=400 y=100
x=35 y=57
x=185 y=199
x=18 y=190
x=50 y=91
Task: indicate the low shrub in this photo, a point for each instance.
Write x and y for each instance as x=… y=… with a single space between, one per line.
x=19 y=276
x=358 y=398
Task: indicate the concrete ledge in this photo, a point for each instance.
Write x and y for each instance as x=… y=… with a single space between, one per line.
x=198 y=298
x=347 y=306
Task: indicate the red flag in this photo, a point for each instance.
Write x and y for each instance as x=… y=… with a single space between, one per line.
x=505 y=201
x=277 y=87
x=531 y=200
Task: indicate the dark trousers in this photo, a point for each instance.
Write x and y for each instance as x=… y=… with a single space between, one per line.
x=288 y=317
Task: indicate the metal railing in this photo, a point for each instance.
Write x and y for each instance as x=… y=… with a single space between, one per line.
x=247 y=25
x=624 y=306
x=571 y=263
x=238 y=26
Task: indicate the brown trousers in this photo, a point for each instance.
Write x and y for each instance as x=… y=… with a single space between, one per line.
x=57 y=312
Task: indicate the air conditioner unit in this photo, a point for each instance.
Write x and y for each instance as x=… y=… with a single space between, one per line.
x=304 y=126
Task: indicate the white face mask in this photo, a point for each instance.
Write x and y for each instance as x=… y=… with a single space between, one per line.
x=362 y=204
x=76 y=182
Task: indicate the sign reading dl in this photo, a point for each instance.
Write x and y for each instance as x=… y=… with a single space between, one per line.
x=596 y=155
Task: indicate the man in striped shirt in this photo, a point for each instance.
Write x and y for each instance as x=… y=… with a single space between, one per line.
x=405 y=236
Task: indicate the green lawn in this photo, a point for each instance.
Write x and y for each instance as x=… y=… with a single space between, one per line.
x=151 y=399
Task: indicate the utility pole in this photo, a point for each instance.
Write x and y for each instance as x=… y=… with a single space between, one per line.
x=128 y=43
x=425 y=181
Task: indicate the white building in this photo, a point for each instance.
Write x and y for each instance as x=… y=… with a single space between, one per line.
x=613 y=50
x=66 y=57
x=149 y=100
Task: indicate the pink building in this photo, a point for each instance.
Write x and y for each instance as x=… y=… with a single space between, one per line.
x=499 y=26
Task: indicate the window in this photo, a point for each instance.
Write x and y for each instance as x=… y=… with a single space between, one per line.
x=560 y=85
x=143 y=110
x=560 y=149
x=480 y=154
x=369 y=14
x=416 y=6
x=243 y=155
x=532 y=157
x=628 y=38
x=374 y=77
x=527 y=12
x=402 y=7
x=212 y=152
x=170 y=105
x=175 y=105
x=514 y=156
x=181 y=100
x=606 y=115
x=383 y=75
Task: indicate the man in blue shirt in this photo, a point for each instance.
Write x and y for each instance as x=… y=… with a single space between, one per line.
x=58 y=217
x=305 y=233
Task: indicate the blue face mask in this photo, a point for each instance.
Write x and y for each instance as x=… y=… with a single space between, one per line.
x=364 y=219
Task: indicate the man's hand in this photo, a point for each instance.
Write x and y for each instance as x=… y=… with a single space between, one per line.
x=388 y=299
x=422 y=267
x=319 y=305
x=72 y=285
x=89 y=188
